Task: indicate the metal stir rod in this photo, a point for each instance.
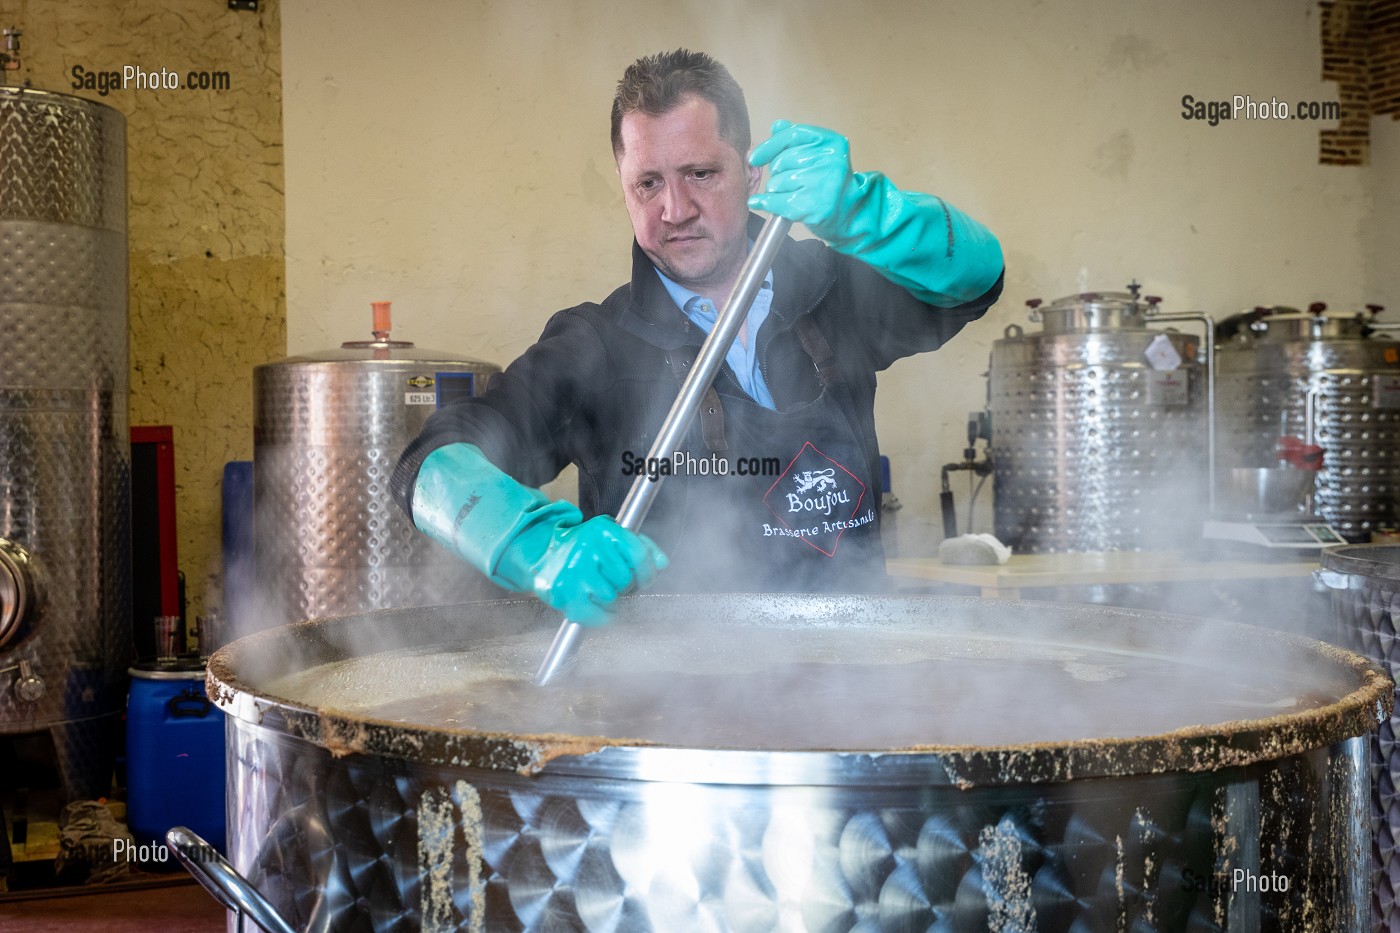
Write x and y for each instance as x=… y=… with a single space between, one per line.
x=678 y=419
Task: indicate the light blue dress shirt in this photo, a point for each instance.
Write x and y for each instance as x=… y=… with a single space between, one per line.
x=743 y=359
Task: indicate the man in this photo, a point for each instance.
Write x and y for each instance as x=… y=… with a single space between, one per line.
x=776 y=487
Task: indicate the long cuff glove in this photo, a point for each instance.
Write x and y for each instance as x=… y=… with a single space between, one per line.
x=918 y=241
x=524 y=541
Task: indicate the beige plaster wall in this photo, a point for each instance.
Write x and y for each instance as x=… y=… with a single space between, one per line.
x=1381 y=230
x=453 y=157
x=207 y=297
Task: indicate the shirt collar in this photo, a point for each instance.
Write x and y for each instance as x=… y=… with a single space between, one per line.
x=683 y=296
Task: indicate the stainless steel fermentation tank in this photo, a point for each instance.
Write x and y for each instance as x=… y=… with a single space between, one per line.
x=328 y=430
x=65 y=456
x=1099 y=428
x=1059 y=787
x=1329 y=378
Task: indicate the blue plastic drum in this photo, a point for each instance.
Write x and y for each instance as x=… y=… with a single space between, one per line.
x=175 y=753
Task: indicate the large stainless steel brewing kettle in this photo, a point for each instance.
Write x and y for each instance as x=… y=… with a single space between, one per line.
x=355 y=804
x=1365 y=584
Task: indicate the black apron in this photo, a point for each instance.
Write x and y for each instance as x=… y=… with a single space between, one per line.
x=765 y=501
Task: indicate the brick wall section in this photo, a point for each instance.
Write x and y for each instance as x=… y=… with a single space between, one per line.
x=1383 y=51
x=1344 y=61
x=1361 y=52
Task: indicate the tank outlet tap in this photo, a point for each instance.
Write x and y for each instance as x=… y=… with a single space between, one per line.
x=10 y=57
x=29 y=687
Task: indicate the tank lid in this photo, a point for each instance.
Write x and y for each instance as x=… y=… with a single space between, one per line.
x=382 y=348
x=169 y=669
x=1317 y=322
x=12 y=95
x=1095 y=311
x=394 y=352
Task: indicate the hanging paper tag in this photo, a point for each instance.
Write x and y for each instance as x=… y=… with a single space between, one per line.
x=1161 y=354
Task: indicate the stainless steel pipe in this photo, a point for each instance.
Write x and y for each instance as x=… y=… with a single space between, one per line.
x=712 y=353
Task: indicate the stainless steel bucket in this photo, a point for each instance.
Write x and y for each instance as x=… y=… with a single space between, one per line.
x=355 y=803
x=1365 y=582
x=1265 y=490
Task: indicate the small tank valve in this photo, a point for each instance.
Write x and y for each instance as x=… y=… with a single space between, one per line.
x=9 y=58
x=381 y=324
x=383 y=320
x=30 y=687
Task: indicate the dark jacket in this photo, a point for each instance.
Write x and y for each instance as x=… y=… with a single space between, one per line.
x=598 y=383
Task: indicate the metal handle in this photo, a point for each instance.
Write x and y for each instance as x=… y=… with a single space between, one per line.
x=190 y=703
x=682 y=413
x=223 y=881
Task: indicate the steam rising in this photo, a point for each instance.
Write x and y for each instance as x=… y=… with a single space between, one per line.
x=844 y=673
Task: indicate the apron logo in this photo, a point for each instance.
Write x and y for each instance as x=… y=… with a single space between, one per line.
x=816 y=501
x=816 y=481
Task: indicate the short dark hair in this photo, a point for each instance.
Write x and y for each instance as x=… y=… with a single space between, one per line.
x=655 y=84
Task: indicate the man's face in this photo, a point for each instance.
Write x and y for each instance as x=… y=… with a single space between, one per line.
x=686 y=190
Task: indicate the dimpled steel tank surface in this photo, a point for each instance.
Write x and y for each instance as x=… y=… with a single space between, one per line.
x=65 y=448
x=327 y=429
x=1365 y=582
x=919 y=764
x=1096 y=449
x=1325 y=376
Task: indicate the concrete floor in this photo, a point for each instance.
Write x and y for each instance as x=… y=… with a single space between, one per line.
x=178 y=906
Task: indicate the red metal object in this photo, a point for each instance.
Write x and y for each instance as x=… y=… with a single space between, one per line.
x=162 y=437
x=1297 y=453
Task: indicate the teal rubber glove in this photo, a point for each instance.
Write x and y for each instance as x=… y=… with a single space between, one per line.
x=524 y=541
x=918 y=241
